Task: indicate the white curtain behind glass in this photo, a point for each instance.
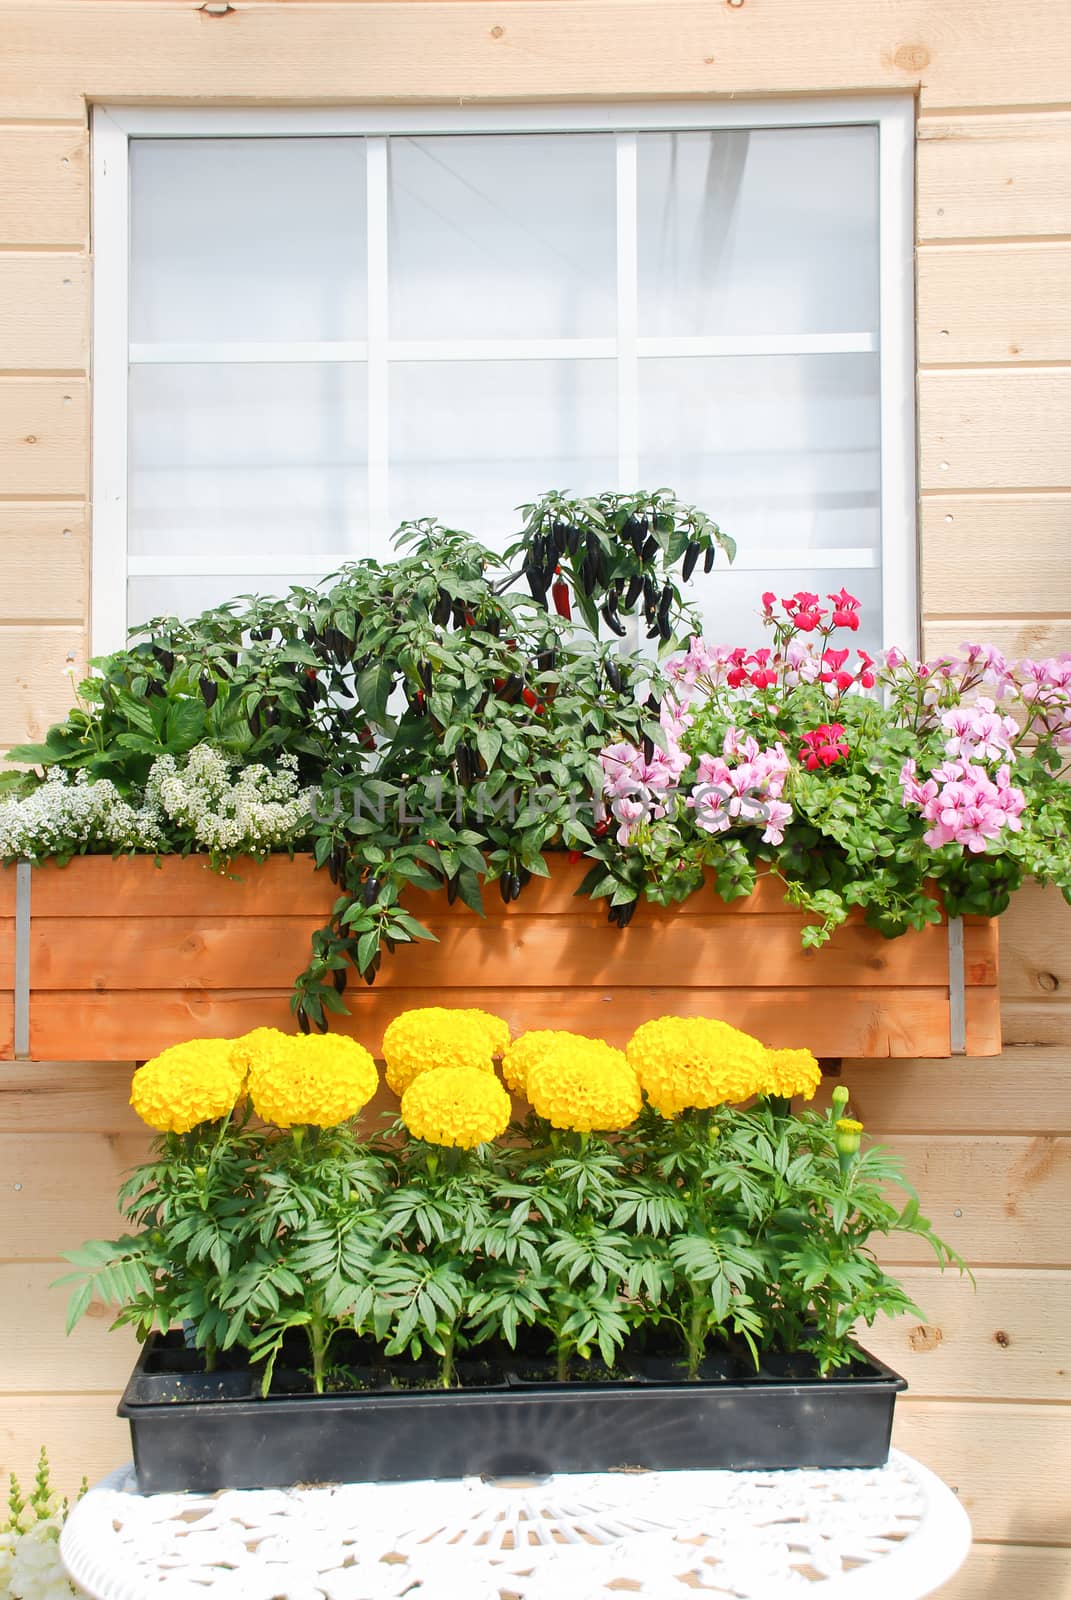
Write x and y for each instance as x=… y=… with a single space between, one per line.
x=243 y=451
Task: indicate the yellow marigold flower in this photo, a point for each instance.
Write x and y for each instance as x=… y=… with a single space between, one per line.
x=496 y=1028
x=459 y=1106
x=584 y=1084
x=319 y=1079
x=792 y=1072
x=534 y=1047
x=432 y=1037
x=250 y=1047
x=187 y=1084
x=693 y=1063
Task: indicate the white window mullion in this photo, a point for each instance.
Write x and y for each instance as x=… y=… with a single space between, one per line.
x=111 y=257
x=896 y=223
x=378 y=206
x=628 y=378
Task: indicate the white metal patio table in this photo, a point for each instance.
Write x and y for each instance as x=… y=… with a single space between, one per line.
x=891 y=1533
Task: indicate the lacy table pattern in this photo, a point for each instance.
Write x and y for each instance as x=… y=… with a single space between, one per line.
x=892 y=1533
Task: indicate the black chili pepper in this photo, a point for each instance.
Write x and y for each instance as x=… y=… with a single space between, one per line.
x=253 y=719
x=440 y=612
x=612 y=620
x=453 y=887
x=625 y=913
x=209 y=690
x=560 y=535
x=514 y=886
x=370 y=891
x=650 y=548
x=613 y=675
x=270 y=714
x=573 y=537
x=635 y=588
x=340 y=980
x=708 y=559
x=691 y=556
x=369 y=974
x=546 y=661
x=536 y=584
x=634 y=532
x=165 y=657
x=503 y=888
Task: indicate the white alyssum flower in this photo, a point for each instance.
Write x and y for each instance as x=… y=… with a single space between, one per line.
x=62 y=817
x=258 y=812
x=194 y=800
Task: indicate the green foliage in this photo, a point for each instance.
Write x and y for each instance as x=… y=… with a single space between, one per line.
x=739 y=1228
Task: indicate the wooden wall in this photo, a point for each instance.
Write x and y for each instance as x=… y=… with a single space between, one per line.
x=988 y=1142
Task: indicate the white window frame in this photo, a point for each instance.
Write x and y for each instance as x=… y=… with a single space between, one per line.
x=114 y=126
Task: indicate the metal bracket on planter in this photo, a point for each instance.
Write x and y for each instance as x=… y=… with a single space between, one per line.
x=21 y=1050
x=957 y=989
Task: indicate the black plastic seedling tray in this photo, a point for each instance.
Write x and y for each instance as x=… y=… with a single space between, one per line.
x=204 y=1431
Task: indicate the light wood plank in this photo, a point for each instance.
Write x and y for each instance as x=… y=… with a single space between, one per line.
x=120 y=1026
x=44 y=313
x=995 y=429
x=44 y=555
x=44 y=437
x=33 y=668
x=82 y=1434
x=1011 y=1464
x=1008 y=1337
x=1036 y=1023
x=1022 y=1091
x=44 y=186
x=994 y=1570
x=994 y=177
x=1038 y=636
x=994 y=304
x=75 y=1097
x=997 y=1201
x=1036 y=946
x=37 y=1356
x=956 y=53
x=991 y=555
x=59 y=1189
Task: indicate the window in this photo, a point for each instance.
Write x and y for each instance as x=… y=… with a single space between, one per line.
x=311 y=326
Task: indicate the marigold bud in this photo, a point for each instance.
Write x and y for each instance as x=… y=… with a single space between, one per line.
x=847 y=1136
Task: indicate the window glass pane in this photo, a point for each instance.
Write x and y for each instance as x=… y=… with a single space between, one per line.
x=503 y=236
x=782 y=451
x=758 y=231
x=248 y=460
x=187 y=597
x=472 y=440
x=247 y=239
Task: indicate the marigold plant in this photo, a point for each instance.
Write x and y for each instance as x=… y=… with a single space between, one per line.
x=317 y=1081
x=431 y=1037
x=695 y=1063
x=187 y=1084
x=460 y=1107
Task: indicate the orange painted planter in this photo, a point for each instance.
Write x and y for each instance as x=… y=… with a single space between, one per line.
x=128 y=956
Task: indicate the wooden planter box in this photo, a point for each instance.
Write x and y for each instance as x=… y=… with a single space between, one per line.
x=123 y=957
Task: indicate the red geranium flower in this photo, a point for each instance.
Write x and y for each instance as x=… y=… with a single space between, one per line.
x=845 y=610
x=823 y=745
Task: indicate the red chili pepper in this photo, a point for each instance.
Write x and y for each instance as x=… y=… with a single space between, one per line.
x=560 y=595
x=311 y=672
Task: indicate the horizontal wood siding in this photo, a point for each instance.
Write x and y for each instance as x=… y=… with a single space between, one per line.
x=986 y=1141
